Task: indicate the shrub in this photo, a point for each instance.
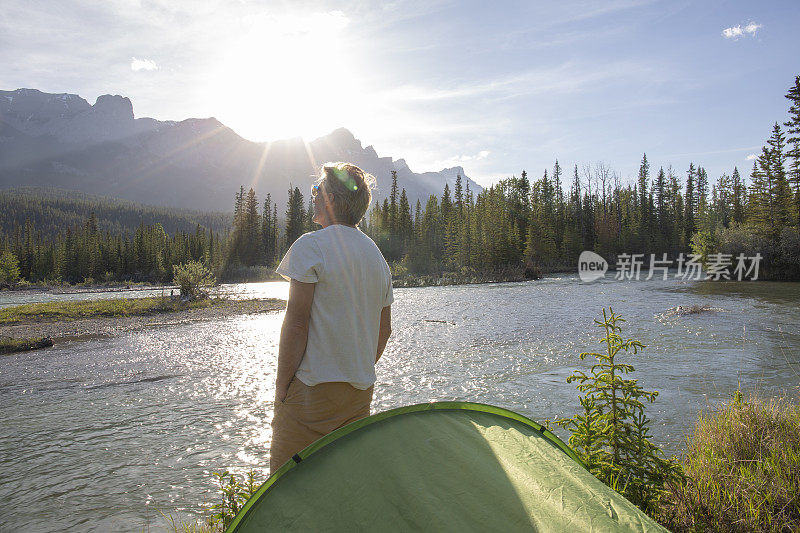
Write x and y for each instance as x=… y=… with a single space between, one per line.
x=612 y=435
x=780 y=255
x=790 y=252
x=234 y=495
x=743 y=470
x=705 y=242
x=9 y=268
x=192 y=278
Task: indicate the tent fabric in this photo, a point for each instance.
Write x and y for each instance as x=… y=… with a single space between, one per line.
x=445 y=466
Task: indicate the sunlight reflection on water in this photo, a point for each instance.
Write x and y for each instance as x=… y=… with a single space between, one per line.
x=99 y=435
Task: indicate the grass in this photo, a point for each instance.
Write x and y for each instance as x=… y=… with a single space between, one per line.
x=198 y=526
x=9 y=345
x=117 y=307
x=233 y=495
x=743 y=470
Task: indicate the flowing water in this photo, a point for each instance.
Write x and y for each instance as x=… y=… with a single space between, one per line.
x=107 y=434
x=241 y=290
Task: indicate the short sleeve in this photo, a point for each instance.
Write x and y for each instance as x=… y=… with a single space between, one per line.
x=303 y=262
x=388 y=296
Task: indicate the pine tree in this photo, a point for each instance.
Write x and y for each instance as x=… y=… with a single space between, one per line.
x=558 y=227
x=612 y=433
x=644 y=214
x=237 y=240
x=758 y=202
x=295 y=216
x=701 y=189
x=579 y=222
x=459 y=197
x=267 y=244
x=661 y=200
x=384 y=217
x=445 y=213
x=275 y=228
x=237 y=208
x=793 y=129
x=739 y=192
x=446 y=203
x=431 y=245
x=780 y=191
x=690 y=204
x=557 y=183
x=405 y=225
x=722 y=202
x=393 y=206
x=251 y=237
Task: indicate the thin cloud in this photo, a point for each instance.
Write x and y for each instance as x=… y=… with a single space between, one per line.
x=752 y=28
x=459 y=160
x=734 y=32
x=143 y=64
x=568 y=77
x=750 y=157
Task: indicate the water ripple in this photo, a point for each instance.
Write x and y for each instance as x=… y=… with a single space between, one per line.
x=104 y=434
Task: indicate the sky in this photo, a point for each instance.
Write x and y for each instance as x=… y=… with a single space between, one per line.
x=495 y=87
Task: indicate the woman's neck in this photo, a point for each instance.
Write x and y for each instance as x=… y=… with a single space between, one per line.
x=336 y=223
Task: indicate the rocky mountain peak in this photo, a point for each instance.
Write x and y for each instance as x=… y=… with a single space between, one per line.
x=344 y=138
x=401 y=165
x=61 y=140
x=29 y=110
x=115 y=106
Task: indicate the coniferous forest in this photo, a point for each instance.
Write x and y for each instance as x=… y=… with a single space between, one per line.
x=514 y=229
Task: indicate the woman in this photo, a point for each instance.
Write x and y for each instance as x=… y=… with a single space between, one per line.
x=338 y=317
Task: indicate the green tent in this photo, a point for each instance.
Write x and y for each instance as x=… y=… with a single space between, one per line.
x=446 y=466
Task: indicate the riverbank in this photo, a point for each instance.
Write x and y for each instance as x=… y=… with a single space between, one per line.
x=401 y=278
x=9 y=345
x=73 y=320
x=742 y=469
x=67 y=288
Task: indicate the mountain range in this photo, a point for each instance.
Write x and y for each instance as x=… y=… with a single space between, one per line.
x=60 y=140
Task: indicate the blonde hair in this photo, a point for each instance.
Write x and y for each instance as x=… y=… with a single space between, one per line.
x=351 y=188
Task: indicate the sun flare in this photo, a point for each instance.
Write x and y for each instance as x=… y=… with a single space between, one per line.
x=287 y=76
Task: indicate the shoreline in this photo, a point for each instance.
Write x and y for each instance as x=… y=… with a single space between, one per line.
x=103 y=326
x=435 y=279
x=84 y=289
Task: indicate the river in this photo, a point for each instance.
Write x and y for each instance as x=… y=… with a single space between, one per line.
x=106 y=434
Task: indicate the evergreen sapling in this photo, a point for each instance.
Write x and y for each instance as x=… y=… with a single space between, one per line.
x=612 y=433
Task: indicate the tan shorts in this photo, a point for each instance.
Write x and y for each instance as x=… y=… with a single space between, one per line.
x=309 y=413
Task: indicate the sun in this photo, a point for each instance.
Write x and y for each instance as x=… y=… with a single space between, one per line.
x=287 y=76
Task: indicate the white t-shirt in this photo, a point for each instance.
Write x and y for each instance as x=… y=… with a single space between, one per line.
x=353 y=286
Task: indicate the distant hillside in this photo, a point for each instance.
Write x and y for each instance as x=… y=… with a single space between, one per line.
x=52 y=211
x=60 y=140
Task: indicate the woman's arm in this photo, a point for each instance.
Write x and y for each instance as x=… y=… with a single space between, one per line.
x=384 y=330
x=294 y=334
